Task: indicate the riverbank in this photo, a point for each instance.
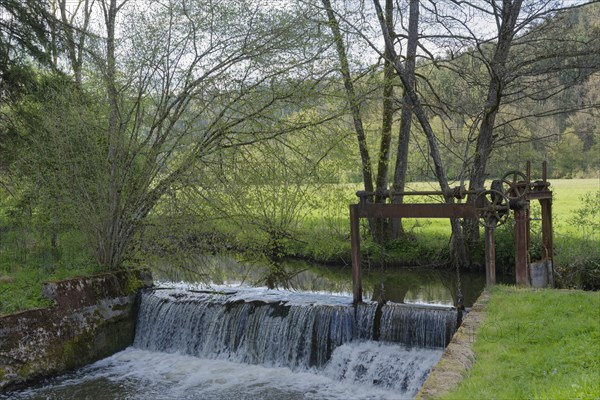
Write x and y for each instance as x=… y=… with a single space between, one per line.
x=320 y=234
x=535 y=344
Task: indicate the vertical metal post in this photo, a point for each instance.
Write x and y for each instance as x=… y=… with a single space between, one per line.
x=544 y=170
x=355 y=245
x=521 y=250
x=547 y=239
x=490 y=257
x=528 y=229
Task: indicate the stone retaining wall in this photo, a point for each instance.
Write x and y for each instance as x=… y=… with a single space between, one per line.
x=458 y=356
x=91 y=318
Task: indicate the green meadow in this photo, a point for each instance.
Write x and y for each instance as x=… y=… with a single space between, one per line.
x=540 y=344
x=567 y=195
x=333 y=201
x=319 y=230
x=328 y=217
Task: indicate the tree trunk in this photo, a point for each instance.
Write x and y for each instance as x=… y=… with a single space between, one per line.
x=406 y=117
x=108 y=252
x=353 y=100
x=498 y=77
x=382 y=228
x=458 y=245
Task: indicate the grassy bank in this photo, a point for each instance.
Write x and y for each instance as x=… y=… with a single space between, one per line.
x=27 y=260
x=318 y=229
x=20 y=289
x=541 y=344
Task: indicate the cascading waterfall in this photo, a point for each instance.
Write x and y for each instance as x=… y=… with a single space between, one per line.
x=255 y=332
x=417 y=326
x=259 y=344
x=332 y=339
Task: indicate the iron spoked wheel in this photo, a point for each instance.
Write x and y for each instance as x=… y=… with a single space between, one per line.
x=492 y=207
x=517 y=184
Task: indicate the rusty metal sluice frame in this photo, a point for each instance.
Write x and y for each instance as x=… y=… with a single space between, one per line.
x=514 y=191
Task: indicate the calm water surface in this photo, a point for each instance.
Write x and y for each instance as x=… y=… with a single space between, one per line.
x=400 y=285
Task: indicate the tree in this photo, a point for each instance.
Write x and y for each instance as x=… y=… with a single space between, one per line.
x=586 y=122
x=351 y=95
x=531 y=53
x=401 y=167
x=375 y=181
x=459 y=250
x=75 y=20
x=512 y=61
x=180 y=80
x=265 y=190
x=569 y=156
x=518 y=59
x=24 y=27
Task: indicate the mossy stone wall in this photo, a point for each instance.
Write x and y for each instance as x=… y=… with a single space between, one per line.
x=91 y=318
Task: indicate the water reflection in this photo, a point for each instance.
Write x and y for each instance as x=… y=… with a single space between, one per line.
x=407 y=285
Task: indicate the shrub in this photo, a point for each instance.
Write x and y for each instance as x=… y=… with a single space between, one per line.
x=577 y=261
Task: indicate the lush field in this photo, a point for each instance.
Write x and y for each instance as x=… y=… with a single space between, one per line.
x=567 y=194
x=317 y=227
x=328 y=218
x=542 y=344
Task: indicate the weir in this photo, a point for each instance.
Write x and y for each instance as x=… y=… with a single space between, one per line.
x=264 y=344
x=305 y=335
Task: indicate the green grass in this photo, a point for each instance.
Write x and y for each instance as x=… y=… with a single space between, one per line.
x=321 y=233
x=320 y=230
x=26 y=262
x=542 y=344
x=566 y=195
x=328 y=223
x=566 y=200
x=21 y=288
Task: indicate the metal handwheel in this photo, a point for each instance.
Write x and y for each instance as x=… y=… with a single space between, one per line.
x=517 y=186
x=492 y=207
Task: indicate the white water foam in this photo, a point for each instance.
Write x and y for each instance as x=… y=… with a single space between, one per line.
x=384 y=365
x=241 y=292
x=250 y=293
x=357 y=371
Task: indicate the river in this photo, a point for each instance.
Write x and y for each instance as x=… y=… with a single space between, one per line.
x=226 y=340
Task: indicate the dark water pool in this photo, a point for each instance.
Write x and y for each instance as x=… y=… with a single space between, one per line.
x=401 y=285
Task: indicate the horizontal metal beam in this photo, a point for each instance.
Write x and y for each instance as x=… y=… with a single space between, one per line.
x=416 y=211
x=459 y=192
x=541 y=195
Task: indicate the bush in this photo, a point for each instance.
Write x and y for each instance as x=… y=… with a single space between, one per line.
x=577 y=260
x=577 y=264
